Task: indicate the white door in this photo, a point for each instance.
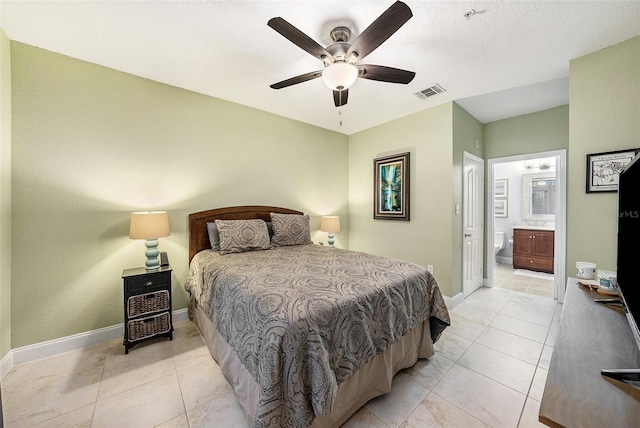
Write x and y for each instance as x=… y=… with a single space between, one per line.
x=472 y=223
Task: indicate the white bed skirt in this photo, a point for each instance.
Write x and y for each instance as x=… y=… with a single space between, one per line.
x=372 y=380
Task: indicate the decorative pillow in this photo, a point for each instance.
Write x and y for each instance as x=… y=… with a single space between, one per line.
x=290 y=229
x=214 y=236
x=237 y=236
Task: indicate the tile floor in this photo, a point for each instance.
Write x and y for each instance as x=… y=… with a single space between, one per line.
x=540 y=284
x=489 y=370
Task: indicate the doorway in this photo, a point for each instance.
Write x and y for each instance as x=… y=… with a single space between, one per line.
x=526 y=192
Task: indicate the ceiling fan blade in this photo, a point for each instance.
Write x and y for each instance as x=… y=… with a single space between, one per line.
x=380 y=30
x=340 y=97
x=298 y=38
x=298 y=79
x=385 y=74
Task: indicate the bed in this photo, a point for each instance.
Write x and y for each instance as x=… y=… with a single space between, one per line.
x=306 y=334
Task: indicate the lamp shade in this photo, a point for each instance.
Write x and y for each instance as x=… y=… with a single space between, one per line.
x=340 y=75
x=149 y=225
x=330 y=223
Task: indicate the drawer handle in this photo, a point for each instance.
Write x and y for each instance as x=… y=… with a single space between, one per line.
x=149 y=296
x=148 y=283
x=148 y=320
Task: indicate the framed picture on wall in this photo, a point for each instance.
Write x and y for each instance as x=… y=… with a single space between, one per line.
x=501 y=208
x=501 y=188
x=603 y=169
x=391 y=187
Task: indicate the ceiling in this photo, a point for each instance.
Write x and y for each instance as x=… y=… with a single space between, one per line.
x=509 y=58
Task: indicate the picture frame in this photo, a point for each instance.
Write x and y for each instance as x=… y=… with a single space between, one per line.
x=501 y=188
x=391 y=187
x=603 y=169
x=501 y=208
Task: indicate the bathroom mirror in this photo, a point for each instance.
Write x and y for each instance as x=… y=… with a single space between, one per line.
x=539 y=197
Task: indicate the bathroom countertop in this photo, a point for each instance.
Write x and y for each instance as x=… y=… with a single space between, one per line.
x=530 y=227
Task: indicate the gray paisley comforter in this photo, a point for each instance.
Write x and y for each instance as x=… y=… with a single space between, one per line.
x=303 y=319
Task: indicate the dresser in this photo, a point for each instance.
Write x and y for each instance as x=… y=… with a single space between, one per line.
x=147 y=305
x=533 y=249
x=591 y=337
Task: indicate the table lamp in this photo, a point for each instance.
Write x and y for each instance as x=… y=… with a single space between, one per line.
x=150 y=225
x=330 y=224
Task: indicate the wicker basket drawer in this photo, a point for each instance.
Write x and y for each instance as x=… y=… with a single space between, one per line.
x=149 y=326
x=147 y=303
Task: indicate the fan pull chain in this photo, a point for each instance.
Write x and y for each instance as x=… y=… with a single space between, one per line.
x=340 y=114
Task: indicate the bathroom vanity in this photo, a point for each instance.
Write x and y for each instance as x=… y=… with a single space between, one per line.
x=533 y=248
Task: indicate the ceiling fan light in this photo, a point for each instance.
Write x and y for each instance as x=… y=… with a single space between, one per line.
x=340 y=75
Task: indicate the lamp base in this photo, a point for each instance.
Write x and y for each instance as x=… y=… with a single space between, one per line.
x=152 y=254
x=330 y=238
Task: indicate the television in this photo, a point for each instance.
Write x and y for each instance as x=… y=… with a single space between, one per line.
x=629 y=259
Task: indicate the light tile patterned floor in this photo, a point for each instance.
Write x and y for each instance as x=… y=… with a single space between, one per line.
x=505 y=276
x=489 y=370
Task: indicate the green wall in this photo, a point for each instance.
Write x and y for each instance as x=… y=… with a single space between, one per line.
x=5 y=195
x=426 y=239
x=91 y=144
x=604 y=116
x=542 y=131
x=466 y=131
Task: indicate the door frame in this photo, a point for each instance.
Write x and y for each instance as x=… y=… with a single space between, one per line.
x=560 y=236
x=466 y=155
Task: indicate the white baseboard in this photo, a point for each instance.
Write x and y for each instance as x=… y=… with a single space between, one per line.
x=504 y=260
x=6 y=364
x=53 y=347
x=454 y=301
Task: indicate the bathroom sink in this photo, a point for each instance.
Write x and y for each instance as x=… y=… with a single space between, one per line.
x=531 y=227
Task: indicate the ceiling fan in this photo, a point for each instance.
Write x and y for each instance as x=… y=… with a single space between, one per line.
x=340 y=58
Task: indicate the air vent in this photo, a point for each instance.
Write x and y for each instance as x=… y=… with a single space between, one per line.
x=429 y=92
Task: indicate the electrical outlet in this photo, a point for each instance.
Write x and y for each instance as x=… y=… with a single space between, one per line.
x=430 y=269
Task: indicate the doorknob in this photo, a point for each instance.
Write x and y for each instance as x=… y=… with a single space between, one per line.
x=467 y=235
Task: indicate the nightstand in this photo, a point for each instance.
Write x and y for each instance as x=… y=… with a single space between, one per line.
x=147 y=305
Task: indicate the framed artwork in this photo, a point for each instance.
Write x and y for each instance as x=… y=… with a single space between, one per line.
x=603 y=169
x=391 y=187
x=501 y=188
x=500 y=208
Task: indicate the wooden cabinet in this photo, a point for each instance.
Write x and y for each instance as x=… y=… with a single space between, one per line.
x=533 y=249
x=147 y=305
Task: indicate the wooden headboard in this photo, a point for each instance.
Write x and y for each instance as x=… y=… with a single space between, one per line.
x=198 y=234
